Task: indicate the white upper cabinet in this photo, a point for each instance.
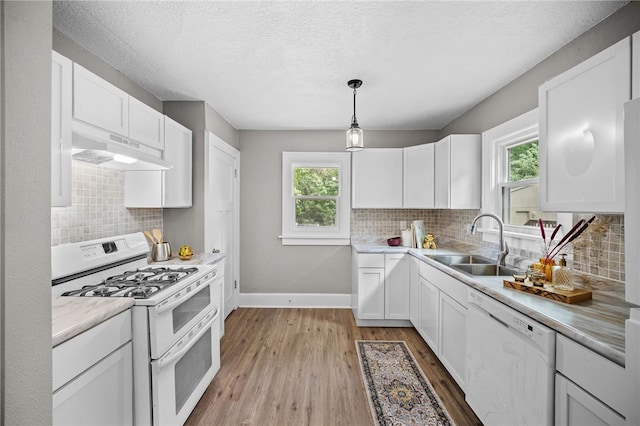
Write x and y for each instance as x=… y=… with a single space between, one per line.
x=581 y=134
x=146 y=125
x=164 y=188
x=61 y=89
x=418 y=176
x=99 y=103
x=635 y=66
x=458 y=168
x=178 y=179
x=376 y=178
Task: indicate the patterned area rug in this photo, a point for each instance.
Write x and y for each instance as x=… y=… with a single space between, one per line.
x=399 y=393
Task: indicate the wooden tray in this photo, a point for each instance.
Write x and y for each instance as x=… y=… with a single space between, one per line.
x=563 y=296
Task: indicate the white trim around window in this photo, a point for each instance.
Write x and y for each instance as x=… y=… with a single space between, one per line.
x=340 y=234
x=494 y=167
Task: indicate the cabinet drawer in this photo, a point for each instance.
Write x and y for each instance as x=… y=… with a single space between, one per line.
x=602 y=378
x=451 y=286
x=81 y=352
x=370 y=260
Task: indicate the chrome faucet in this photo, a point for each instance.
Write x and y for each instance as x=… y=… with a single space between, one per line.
x=504 y=248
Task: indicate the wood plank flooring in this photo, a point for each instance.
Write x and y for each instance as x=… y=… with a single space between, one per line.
x=300 y=367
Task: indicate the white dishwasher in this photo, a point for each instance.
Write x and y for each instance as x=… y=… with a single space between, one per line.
x=510 y=365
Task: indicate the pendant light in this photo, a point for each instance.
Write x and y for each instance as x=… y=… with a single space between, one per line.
x=355 y=136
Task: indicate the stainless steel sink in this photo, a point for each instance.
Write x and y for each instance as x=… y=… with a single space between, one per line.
x=453 y=259
x=483 y=270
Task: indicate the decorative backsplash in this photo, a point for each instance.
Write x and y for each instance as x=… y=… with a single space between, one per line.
x=600 y=251
x=97 y=208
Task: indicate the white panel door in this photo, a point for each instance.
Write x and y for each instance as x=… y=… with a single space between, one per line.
x=146 y=125
x=397 y=286
x=371 y=293
x=429 y=313
x=414 y=293
x=575 y=407
x=221 y=212
x=453 y=337
x=99 y=103
x=61 y=99
x=419 y=176
x=110 y=380
x=581 y=134
x=177 y=181
x=376 y=178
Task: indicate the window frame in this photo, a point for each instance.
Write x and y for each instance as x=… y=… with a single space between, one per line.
x=495 y=169
x=338 y=235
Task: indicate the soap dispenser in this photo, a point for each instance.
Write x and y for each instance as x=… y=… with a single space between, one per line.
x=562 y=275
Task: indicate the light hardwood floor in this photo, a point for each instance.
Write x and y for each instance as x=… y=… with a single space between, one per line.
x=300 y=367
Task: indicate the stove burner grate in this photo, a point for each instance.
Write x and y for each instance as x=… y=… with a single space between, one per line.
x=140 y=283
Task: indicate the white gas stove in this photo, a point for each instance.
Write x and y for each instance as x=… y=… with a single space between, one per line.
x=176 y=318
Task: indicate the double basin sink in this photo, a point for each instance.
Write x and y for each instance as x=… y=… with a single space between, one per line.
x=473 y=265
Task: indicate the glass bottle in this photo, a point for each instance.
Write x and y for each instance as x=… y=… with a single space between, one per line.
x=562 y=275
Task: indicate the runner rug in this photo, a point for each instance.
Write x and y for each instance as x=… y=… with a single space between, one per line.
x=398 y=391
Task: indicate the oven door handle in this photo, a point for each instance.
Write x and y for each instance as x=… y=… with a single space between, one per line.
x=167 y=306
x=175 y=357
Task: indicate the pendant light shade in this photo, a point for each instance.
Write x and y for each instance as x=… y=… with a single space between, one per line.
x=355 y=135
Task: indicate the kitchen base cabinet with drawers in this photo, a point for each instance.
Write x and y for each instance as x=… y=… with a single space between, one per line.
x=93 y=377
x=381 y=289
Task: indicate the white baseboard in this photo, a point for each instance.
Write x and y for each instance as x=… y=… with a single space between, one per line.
x=295 y=300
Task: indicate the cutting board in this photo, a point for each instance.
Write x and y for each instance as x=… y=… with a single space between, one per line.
x=575 y=296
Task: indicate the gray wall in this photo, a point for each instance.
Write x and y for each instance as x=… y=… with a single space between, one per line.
x=521 y=95
x=266 y=266
x=25 y=199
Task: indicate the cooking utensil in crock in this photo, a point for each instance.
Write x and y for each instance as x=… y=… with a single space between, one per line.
x=157 y=234
x=150 y=237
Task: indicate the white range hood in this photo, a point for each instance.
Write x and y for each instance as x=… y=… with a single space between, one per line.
x=103 y=148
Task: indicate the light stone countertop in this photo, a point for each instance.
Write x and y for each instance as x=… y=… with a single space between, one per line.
x=74 y=315
x=196 y=259
x=598 y=324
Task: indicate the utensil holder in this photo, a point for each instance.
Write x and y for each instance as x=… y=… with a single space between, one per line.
x=161 y=252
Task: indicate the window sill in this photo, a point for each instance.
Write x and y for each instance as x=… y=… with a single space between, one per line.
x=515 y=240
x=304 y=241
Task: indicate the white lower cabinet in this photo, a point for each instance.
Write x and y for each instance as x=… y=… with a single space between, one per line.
x=590 y=389
x=452 y=337
x=397 y=286
x=371 y=293
x=441 y=319
x=75 y=404
x=96 y=365
x=428 y=317
x=577 y=407
x=382 y=287
x=414 y=292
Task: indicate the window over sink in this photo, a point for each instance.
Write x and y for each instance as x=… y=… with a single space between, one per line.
x=510 y=182
x=316 y=198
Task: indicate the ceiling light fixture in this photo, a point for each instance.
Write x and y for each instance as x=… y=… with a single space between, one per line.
x=355 y=136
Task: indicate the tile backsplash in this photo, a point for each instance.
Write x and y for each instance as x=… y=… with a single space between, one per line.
x=97 y=208
x=600 y=250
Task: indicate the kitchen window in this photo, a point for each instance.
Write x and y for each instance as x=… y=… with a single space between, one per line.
x=510 y=183
x=315 y=198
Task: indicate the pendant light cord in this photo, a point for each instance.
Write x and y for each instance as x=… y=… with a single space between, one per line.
x=354 y=120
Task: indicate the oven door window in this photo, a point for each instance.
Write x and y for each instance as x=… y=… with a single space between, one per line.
x=188 y=310
x=191 y=368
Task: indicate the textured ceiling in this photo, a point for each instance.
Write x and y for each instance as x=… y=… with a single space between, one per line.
x=285 y=65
